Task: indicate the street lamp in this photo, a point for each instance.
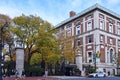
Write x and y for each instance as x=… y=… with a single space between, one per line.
x=1 y=46
x=11 y=64
x=94 y=56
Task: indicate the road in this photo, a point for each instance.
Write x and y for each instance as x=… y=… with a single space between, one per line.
x=62 y=78
x=106 y=78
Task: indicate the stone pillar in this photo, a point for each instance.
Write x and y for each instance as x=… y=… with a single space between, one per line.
x=19 y=60
x=79 y=63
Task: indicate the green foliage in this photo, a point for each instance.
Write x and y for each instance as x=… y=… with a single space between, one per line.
x=76 y=70
x=36 y=59
x=38 y=34
x=34 y=71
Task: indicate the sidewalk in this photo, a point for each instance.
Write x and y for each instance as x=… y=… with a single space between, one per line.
x=31 y=78
x=42 y=78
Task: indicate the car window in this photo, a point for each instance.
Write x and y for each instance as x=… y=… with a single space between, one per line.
x=100 y=72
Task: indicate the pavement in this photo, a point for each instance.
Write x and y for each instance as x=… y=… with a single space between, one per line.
x=40 y=78
x=60 y=78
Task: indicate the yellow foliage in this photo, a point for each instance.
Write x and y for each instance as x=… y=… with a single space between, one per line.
x=35 y=59
x=4 y=51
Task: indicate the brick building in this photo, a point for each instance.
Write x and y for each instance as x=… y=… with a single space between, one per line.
x=96 y=31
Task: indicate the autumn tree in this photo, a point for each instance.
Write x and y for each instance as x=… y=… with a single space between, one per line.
x=67 y=46
x=6 y=36
x=48 y=44
x=25 y=29
x=36 y=34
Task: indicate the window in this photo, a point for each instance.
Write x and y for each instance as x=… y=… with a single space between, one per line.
x=90 y=57
x=89 y=17
x=78 y=30
x=68 y=30
x=77 y=23
x=101 y=38
x=89 y=25
x=78 y=42
x=90 y=60
x=101 y=16
x=118 y=24
x=118 y=43
x=111 y=55
x=102 y=24
x=90 y=54
x=89 y=39
x=111 y=41
x=111 y=27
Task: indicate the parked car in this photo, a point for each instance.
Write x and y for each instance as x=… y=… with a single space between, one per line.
x=98 y=74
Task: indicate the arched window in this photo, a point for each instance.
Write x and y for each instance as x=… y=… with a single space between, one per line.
x=111 y=55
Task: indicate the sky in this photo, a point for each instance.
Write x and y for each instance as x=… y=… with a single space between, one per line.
x=53 y=11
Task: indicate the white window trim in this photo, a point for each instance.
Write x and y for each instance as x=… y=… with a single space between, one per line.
x=101 y=38
x=88 y=39
x=89 y=26
x=78 y=28
x=111 y=27
x=89 y=58
x=78 y=40
x=118 y=43
x=101 y=24
x=118 y=26
x=111 y=41
x=69 y=32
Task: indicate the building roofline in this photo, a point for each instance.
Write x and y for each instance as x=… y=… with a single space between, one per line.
x=96 y=6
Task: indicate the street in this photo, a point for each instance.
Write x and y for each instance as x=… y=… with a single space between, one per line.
x=62 y=78
x=106 y=78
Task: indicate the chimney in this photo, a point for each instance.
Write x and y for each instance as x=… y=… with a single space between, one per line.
x=72 y=13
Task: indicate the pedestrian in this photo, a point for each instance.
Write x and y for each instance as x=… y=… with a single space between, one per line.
x=16 y=73
x=108 y=73
x=23 y=74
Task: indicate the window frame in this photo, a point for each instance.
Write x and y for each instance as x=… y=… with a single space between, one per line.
x=118 y=26
x=89 y=38
x=111 y=41
x=101 y=24
x=78 y=30
x=89 y=25
x=101 y=38
x=118 y=43
x=78 y=42
x=110 y=27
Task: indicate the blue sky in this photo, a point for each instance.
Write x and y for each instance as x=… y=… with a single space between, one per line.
x=54 y=11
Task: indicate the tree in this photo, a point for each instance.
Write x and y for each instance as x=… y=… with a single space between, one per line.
x=67 y=46
x=36 y=34
x=48 y=44
x=26 y=29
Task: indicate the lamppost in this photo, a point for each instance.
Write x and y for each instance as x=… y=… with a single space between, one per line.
x=1 y=46
x=95 y=57
x=11 y=64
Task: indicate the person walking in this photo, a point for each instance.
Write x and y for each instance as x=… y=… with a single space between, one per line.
x=16 y=74
x=23 y=74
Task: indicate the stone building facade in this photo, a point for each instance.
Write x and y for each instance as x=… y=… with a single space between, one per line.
x=96 y=31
